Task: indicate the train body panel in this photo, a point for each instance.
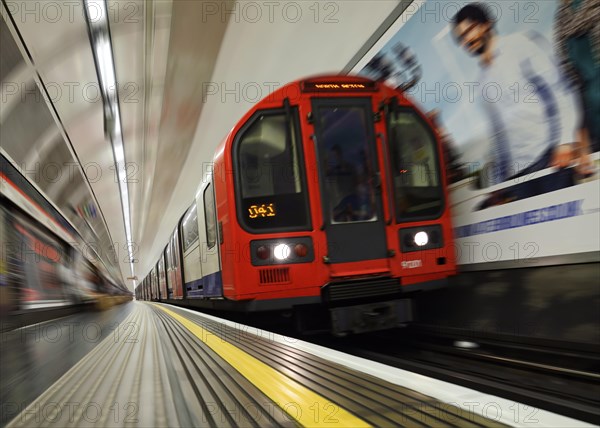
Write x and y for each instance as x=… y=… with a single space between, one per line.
x=200 y=246
x=229 y=254
x=399 y=264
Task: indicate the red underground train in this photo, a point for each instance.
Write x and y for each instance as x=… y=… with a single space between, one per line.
x=327 y=199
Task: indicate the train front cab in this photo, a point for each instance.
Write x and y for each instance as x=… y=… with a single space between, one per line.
x=336 y=204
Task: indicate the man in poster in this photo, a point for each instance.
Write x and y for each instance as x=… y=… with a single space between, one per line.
x=532 y=114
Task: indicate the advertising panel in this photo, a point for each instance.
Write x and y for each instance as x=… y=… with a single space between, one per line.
x=514 y=90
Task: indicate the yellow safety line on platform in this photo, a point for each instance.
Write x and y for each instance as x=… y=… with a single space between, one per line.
x=301 y=403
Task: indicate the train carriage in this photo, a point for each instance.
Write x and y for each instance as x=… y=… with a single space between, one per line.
x=327 y=197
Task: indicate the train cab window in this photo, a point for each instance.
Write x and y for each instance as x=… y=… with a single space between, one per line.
x=209 y=217
x=345 y=150
x=270 y=173
x=189 y=227
x=415 y=167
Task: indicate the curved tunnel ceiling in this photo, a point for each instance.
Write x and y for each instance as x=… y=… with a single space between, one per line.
x=186 y=72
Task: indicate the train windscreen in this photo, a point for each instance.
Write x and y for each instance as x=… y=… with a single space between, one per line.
x=415 y=167
x=271 y=186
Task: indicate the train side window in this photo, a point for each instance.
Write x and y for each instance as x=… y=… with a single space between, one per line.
x=209 y=217
x=189 y=227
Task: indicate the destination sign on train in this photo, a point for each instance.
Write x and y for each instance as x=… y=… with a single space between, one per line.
x=339 y=86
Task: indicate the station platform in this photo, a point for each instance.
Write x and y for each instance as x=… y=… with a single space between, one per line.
x=153 y=365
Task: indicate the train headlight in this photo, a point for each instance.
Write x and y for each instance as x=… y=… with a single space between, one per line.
x=281 y=251
x=421 y=238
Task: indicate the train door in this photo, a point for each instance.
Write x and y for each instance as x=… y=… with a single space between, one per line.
x=169 y=271
x=155 y=285
x=152 y=286
x=210 y=249
x=162 y=278
x=177 y=270
x=191 y=260
x=350 y=179
x=173 y=267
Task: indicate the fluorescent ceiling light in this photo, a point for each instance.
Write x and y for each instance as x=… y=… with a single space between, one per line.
x=97 y=19
x=96 y=14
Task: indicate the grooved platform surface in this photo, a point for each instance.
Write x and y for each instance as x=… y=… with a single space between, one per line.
x=164 y=366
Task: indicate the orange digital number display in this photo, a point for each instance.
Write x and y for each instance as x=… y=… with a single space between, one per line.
x=262 y=210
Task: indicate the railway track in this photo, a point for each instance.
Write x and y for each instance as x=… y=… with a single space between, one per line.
x=554 y=377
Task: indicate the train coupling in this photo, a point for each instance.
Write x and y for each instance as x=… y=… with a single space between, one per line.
x=370 y=317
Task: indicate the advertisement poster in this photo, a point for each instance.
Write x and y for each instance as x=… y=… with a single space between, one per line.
x=513 y=88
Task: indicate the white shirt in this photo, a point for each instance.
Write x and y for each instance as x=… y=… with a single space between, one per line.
x=529 y=107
